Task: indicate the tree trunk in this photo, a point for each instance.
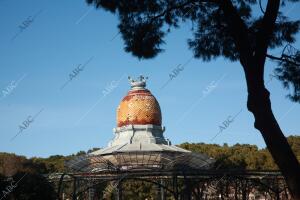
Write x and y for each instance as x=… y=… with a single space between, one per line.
x=259 y=104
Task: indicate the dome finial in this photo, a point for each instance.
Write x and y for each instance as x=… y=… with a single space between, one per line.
x=139 y=83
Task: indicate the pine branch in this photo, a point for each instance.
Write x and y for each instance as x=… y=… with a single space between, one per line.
x=283 y=58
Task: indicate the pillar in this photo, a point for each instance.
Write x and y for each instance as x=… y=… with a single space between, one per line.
x=119 y=191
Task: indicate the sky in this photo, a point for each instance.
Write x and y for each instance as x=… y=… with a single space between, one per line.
x=63 y=72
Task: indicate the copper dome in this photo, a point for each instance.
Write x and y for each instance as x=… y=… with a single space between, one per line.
x=139 y=106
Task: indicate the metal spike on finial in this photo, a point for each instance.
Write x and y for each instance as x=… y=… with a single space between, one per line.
x=143 y=78
x=130 y=79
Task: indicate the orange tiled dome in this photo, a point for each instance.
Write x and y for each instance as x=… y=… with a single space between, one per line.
x=139 y=107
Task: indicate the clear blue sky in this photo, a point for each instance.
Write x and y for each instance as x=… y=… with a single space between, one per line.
x=63 y=34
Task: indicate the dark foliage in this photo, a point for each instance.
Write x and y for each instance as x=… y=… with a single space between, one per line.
x=289 y=71
x=26 y=186
x=32 y=186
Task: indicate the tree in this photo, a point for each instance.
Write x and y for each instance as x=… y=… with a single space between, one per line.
x=32 y=186
x=225 y=28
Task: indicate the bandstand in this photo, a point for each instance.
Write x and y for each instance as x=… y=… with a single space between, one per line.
x=140 y=152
